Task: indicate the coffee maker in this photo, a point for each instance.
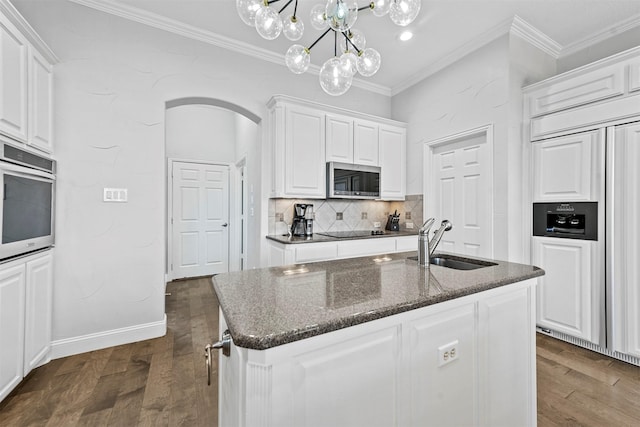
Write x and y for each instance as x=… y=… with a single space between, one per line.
x=302 y=225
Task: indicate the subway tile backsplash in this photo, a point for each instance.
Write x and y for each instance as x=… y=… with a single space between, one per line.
x=355 y=214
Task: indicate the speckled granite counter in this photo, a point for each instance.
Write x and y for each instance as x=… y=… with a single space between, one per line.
x=268 y=307
x=317 y=237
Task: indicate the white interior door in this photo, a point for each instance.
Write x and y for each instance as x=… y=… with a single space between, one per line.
x=200 y=219
x=460 y=181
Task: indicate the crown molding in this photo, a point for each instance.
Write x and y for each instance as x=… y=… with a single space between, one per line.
x=535 y=37
x=8 y=10
x=176 y=27
x=602 y=35
x=516 y=26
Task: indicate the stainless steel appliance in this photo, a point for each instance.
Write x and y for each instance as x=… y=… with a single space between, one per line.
x=351 y=181
x=27 y=192
x=302 y=225
x=568 y=220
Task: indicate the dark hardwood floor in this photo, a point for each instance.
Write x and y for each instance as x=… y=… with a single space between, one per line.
x=163 y=381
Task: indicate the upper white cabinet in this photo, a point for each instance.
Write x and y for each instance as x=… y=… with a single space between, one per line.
x=393 y=160
x=365 y=143
x=305 y=135
x=26 y=82
x=586 y=98
x=339 y=139
x=13 y=81
x=568 y=168
x=40 y=102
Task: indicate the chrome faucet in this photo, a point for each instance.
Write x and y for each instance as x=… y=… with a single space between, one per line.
x=427 y=247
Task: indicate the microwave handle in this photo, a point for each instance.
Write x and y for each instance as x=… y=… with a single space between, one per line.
x=25 y=172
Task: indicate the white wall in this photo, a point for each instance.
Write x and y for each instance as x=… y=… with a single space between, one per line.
x=110 y=89
x=201 y=132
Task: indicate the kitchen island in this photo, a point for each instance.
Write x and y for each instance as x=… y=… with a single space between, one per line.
x=378 y=341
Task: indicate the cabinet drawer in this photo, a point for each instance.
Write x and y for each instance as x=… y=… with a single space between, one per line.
x=594 y=86
x=366 y=247
x=316 y=252
x=408 y=243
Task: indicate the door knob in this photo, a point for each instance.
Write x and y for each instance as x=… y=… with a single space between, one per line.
x=225 y=224
x=224 y=344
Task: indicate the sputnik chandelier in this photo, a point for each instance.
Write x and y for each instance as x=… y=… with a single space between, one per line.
x=339 y=16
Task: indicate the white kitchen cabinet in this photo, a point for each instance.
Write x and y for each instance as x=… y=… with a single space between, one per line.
x=298 y=152
x=26 y=82
x=286 y=254
x=12 y=283
x=390 y=371
x=365 y=143
x=349 y=140
x=568 y=168
x=339 y=139
x=40 y=102
x=13 y=81
x=26 y=286
x=39 y=298
x=393 y=160
x=569 y=298
x=305 y=135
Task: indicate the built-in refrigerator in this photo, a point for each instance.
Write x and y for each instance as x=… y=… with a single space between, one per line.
x=586 y=236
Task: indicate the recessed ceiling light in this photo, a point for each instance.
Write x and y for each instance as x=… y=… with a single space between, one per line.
x=406 y=35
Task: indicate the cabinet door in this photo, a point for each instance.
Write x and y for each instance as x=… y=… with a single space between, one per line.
x=393 y=161
x=623 y=237
x=569 y=168
x=305 y=169
x=339 y=141
x=37 y=337
x=13 y=81
x=570 y=294
x=365 y=143
x=41 y=102
x=12 y=282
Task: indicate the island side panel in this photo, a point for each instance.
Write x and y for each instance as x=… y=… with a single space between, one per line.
x=389 y=369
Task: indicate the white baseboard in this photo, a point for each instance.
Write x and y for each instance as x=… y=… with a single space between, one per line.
x=82 y=344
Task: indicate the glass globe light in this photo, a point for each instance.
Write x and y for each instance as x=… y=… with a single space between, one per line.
x=268 y=23
x=247 y=10
x=318 y=20
x=293 y=28
x=333 y=80
x=297 y=59
x=368 y=62
x=357 y=38
x=348 y=62
x=403 y=12
x=341 y=14
x=381 y=7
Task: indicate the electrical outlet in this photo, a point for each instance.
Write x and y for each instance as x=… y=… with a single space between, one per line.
x=376 y=224
x=448 y=353
x=409 y=225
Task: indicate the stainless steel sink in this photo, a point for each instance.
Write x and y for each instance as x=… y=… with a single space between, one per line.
x=456 y=263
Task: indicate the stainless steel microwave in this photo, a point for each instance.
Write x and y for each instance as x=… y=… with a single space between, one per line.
x=351 y=181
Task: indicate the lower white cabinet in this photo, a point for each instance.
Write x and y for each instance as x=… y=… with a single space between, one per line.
x=392 y=372
x=569 y=294
x=25 y=317
x=285 y=254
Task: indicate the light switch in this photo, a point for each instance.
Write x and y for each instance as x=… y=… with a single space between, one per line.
x=115 y=195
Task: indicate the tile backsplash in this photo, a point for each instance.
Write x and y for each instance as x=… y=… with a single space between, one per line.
x=346 y=215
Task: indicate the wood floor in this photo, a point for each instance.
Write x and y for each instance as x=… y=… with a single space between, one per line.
x=163 y=381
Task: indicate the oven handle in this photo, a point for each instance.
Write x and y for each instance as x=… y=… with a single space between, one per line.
x=25 y=172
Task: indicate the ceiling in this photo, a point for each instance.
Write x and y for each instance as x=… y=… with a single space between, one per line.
x=444 y=30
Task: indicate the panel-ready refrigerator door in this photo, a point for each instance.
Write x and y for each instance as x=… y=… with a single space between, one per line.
x=623 y=238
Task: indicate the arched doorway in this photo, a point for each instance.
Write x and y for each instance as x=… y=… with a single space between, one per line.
x=213 y=157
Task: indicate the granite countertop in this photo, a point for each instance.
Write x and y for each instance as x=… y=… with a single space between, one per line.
x=269 y=307
x=318 y=237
